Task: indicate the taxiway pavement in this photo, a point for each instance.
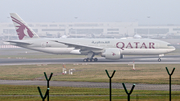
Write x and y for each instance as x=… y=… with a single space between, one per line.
x=162 y=87
x=126 y=60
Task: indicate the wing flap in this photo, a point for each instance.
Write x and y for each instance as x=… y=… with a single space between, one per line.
x=80 y=46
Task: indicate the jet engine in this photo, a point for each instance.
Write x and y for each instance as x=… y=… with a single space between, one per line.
x=112 y=53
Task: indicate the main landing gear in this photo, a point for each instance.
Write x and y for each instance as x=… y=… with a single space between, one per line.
x=90 y=60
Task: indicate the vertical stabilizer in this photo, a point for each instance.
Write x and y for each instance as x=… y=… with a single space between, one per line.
x=22 y=29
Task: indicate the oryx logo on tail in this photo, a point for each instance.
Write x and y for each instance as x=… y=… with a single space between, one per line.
x=21 y=29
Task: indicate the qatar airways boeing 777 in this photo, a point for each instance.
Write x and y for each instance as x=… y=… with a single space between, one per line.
x=108 y=48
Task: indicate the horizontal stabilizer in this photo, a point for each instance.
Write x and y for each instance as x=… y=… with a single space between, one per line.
x=19 y=42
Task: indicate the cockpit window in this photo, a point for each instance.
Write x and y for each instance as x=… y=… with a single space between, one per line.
x=169 y=45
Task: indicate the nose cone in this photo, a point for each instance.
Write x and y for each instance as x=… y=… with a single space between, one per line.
x=172 y=48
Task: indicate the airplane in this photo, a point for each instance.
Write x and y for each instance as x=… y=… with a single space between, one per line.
x=109 y=48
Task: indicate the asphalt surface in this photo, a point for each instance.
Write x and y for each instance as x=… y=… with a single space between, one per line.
x=126 y=60
x=162 y=87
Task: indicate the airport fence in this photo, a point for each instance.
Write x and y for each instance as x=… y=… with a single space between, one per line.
x=152 y=95
x=89 y=83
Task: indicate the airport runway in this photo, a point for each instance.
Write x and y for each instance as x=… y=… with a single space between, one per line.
x=162 y=87
x=126 y=60
x=21 y=60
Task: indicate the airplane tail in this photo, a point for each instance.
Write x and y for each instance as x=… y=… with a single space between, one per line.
x=22 y=29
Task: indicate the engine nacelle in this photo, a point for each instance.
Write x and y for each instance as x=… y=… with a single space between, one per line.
x=112 y=53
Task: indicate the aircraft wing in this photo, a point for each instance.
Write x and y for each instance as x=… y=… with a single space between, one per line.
x=80 y=46
x=19 y=42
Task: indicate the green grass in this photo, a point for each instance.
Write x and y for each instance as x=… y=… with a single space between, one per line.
x=144 y=73
x=32 y=90
x=30 y=93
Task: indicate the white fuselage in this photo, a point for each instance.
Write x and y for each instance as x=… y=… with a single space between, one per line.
x=127 y=46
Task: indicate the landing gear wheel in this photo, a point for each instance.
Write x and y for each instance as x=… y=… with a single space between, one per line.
x=90 y=60
x=159 y=59
x=95 y=59
x=87 y=60
x=84 y=60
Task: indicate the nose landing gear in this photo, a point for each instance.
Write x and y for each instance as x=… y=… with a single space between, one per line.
x=160 y=55
x=159 y=60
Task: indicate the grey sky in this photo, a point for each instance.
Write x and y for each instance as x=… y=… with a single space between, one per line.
x=160 y=11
